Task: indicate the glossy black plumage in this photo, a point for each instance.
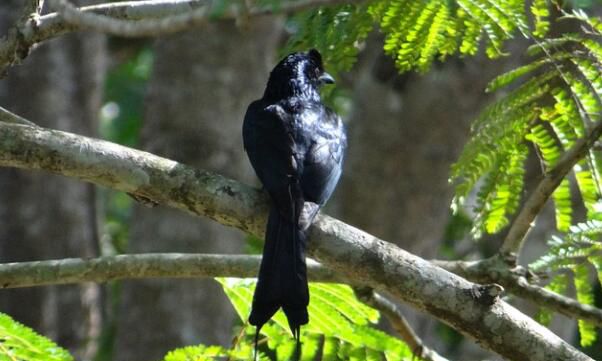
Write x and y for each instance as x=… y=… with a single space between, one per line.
x=296 y=145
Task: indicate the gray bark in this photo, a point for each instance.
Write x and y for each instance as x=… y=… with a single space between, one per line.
x=149 y=265
x=202 y=83
x=46 y=216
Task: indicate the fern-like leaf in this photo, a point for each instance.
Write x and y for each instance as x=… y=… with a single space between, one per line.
x=504 y=198
x=577 y=251
x=551 y=151
x=587 y=331
x=541 y=14
x=561 y=99
x=417 y=31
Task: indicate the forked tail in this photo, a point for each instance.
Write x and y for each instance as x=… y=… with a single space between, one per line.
x=282 y=280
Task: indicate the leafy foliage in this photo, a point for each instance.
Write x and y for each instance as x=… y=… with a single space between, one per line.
x=551 y=110
x=340 y=328
x=335 y=31
x=417 y=32
x=18 y=342
x=579 y=252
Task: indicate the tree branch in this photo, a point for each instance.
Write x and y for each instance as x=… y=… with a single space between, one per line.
x=523 y=222
x=346 y=250
x=131 y=18
x=32 y=8
x=8 y=117
x=153 y=27
x=83 y=20
x=135 y=266
x=12 y=48
x=516 y=281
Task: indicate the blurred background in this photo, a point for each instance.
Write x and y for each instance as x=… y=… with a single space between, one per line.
x=184 y=97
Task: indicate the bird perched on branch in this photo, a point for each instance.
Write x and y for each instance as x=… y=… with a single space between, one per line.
x=295 y=144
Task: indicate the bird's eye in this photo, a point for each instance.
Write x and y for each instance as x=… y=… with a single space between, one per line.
x=317 y=72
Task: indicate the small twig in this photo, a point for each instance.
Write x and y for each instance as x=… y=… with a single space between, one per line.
x=238 y=337
x=398 y=322
x=523 y=222
x=515 y=280
x=131 y=266
x=561 y=304
x=9 y=117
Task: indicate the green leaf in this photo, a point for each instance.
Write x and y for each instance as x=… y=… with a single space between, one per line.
x=511 y=76
x=414 y=42
x=338 y=296
x=587 y=331
x=563 y=206
x=507 y=188
x=435 y=38
x=588 y=186
x=541 y=14
x=19 y=342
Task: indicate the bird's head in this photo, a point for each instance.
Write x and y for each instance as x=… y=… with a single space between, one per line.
x=298 y=74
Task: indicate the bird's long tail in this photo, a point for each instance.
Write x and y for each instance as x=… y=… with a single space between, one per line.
x=282 y=280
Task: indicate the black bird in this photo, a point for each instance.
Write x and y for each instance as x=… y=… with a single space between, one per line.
x=295 y=144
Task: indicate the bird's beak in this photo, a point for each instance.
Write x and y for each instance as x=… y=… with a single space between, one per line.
x=326 y=78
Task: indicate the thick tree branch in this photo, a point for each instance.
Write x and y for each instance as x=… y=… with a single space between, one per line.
x=346 y=250
x=516 y=281
x=132 y=266
x=523 y=222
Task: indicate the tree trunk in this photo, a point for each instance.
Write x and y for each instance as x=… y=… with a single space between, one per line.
x=201 y=85
x=45 y=216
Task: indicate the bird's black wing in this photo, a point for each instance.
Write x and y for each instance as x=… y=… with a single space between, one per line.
x=269 y=145
x=324 y=161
